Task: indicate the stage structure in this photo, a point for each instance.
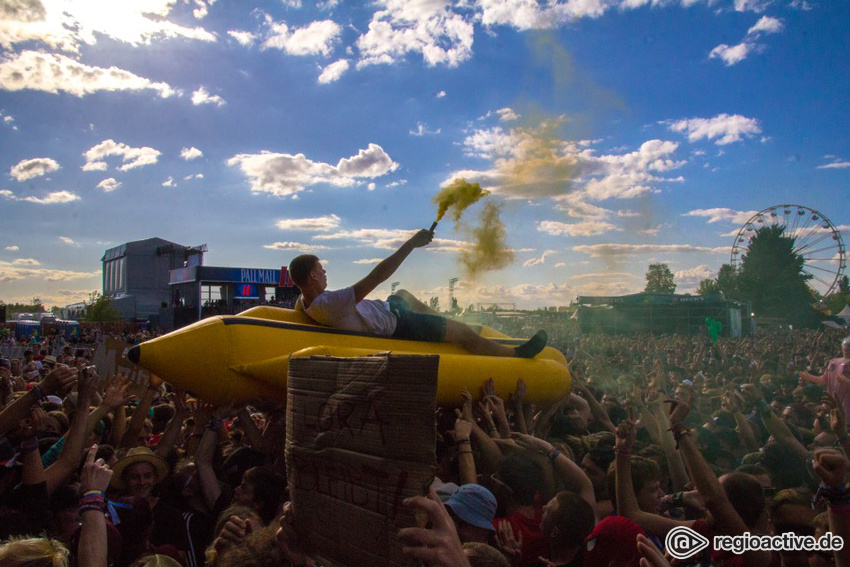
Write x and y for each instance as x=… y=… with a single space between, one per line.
x=662 y=313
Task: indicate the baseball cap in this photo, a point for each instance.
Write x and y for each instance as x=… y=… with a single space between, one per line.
x=613 y=542
x=475 y=505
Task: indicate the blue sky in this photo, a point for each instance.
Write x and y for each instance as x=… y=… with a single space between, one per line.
x=612 y=134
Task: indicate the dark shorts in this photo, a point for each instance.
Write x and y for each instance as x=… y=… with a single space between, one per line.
x=416 y=326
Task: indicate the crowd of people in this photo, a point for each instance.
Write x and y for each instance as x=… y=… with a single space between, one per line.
x=741 y=435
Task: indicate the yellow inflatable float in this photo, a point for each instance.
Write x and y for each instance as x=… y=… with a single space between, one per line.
x=246 y=356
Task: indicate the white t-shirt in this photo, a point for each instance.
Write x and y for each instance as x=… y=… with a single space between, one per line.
x=338 y=309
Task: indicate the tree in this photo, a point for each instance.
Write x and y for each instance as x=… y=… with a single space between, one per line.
x=707 y=287
x=34 y=306
x=659 y=279
x=435 y=303
x=772 y=278
x=727 y=282
x=99 y=308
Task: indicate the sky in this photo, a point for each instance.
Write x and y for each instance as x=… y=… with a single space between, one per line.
x=610 y=134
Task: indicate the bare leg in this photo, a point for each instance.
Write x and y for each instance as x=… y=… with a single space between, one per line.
x=463 y=335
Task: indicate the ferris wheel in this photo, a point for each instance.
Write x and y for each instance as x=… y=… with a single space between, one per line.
x=816 y=239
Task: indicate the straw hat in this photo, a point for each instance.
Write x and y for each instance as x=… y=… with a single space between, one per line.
x=138 y=455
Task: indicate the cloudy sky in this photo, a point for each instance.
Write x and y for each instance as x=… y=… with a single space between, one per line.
x=611 y=134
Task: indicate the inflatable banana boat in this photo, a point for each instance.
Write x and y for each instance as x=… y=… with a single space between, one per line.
x=246 y=356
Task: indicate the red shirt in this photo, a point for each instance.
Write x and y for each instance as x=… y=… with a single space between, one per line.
x=533 y=541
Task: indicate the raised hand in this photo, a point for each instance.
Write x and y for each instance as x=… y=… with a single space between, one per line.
x=96 y=473
x=626 y=433
x=116 y=391
x=436 y=547
x=831 y=466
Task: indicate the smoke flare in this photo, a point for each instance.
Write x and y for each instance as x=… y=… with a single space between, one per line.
x=457 y=196
x=489 y=250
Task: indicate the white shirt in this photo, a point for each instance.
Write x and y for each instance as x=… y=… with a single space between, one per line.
x=338 y=309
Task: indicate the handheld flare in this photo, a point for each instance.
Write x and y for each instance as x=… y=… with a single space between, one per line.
x=433 y=226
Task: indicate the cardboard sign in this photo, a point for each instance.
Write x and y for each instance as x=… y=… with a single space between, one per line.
x=360 y=439
x=109 y=360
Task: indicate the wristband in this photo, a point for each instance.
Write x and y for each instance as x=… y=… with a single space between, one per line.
x=834 y=497
x=29 y=445
x=469 y=452
x=463 y=441
x=553 y=454
x=92 y=493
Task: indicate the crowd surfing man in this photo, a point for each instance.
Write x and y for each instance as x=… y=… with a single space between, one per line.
x=400 y=316
x=836 y=377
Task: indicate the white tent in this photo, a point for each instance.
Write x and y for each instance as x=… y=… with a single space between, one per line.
x=845 y=314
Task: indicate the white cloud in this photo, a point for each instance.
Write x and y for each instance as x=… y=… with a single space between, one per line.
x=69 y=241
x=108 y=185
x=131 y=157
x=398 y=183
x=297 y=246
x=752 y=5
x=55 y=73
x=428 y=27
x=169 y=182
x=9 y=121
x=12 y=271
x=766 y=25
x=191 y=153
x=334 y=71
x=369 y=261
x=52 y=198
x=315 y=224
x=731 y=54
x=527 y=15
x=422 y=130
x=286 y=174
x=12 y=248
x=724 y=128
x=202 y=8
x=693 y=275
x=193 y=176
x=68 y=25
x=539 y=261
x=722 y=214
x=609 y=250
x=506 y=114
x=244 y=38
x=317 y=38
x=584 y=228
x=837 y=163
x=36 y=167
x=440 y=94
x=201 y=96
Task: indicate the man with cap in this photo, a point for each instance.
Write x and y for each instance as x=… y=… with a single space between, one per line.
x=836 y=377
x=473 y=507
x=137 y=475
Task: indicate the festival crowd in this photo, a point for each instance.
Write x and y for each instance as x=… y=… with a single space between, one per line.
x=741 y=435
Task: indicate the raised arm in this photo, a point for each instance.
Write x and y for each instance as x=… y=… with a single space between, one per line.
x=831 y=466
x=72 y=450
x=388 y=266
x=93 y=482
x=726 y=518
x=627 y=503
x=54 y=382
